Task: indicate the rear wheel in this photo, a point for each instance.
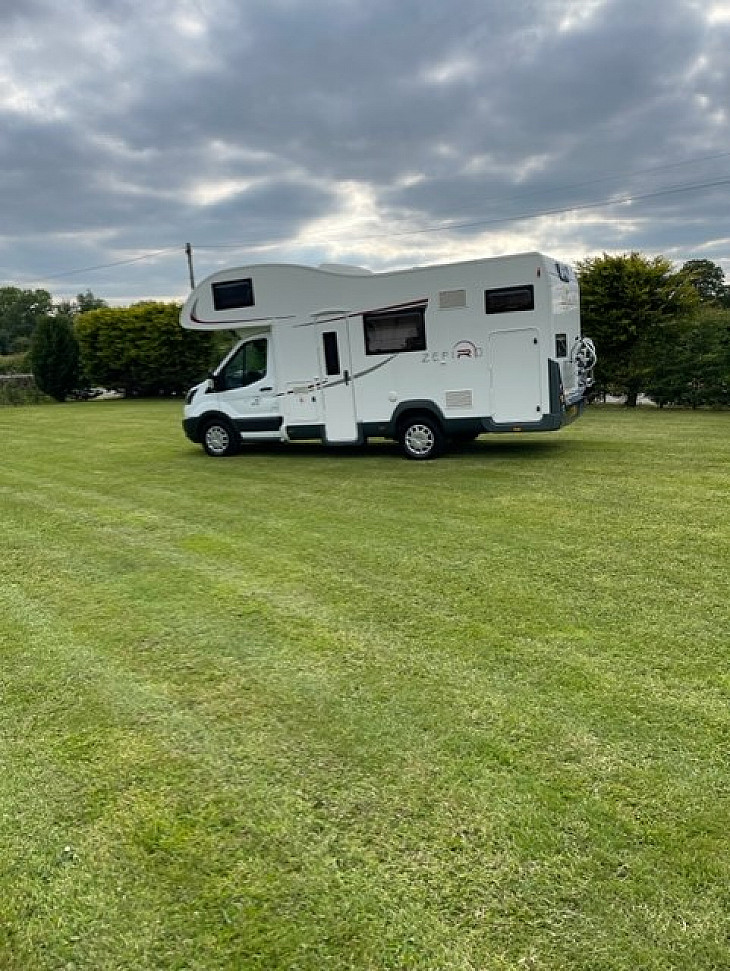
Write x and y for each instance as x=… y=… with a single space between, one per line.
x=421 y=438
x=220 y=438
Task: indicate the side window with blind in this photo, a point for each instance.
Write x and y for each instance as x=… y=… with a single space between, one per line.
x=395 y=331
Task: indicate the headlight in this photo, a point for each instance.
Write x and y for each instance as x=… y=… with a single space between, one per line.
x=190 y=395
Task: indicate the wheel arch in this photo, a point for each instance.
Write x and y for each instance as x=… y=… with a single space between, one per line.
x=213 y=415
x=211 y=418
x=416 y=406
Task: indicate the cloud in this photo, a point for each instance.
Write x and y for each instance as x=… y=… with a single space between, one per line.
x=331 y=129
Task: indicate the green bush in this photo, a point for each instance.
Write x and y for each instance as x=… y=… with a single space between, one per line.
x=20 y=390
x=691 y=361
x=14 y=364
x=142 y=349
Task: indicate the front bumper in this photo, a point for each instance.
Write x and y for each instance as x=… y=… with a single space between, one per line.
x=192 y=428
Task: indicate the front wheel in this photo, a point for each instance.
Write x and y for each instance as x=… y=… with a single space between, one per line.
x=421 y=438
x=220 y=438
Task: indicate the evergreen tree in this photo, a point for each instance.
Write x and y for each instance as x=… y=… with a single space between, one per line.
x=54 y=356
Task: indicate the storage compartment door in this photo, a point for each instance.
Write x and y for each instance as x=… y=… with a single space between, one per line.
x=516 y=375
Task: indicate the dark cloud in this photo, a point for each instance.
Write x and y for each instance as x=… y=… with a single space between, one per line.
x=331 y=129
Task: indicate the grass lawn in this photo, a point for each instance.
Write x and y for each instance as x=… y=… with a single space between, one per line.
x=309 y=709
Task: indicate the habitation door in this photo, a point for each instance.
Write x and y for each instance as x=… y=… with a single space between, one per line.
x=338 y=394
x=516 y=386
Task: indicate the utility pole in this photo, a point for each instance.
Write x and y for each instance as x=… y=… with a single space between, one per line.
x=189 y=254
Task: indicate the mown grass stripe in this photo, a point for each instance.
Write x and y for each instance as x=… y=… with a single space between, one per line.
x=307 y=709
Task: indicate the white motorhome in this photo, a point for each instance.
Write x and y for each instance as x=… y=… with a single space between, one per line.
x=424 y=356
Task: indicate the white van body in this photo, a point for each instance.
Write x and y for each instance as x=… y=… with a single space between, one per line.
x=425 y=356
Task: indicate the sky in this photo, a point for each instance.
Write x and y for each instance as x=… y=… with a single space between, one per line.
x=381 y=133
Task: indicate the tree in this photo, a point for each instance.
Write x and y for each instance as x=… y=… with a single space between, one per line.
x=666 y=381
x=707 y=352
x=708 y=280
x=20 y=311
x=691 y=361
x=83 y=303
x=54 y=356
x=626 y=301
x=87 y=301
x=142 y=350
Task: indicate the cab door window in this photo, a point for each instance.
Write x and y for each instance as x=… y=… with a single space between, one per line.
x=247 y=366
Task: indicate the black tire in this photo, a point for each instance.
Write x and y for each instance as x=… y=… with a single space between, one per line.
x=421 y=438
x=220 y=438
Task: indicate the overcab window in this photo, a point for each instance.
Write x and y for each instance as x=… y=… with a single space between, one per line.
x=507 y=300
x=233 y=294
x=395 y=331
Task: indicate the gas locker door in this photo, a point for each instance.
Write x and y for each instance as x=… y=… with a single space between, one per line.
x=516 y=385
x=337 y=389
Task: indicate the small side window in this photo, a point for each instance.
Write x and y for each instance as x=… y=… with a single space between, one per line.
x=331 y=352
x=507 y=300
x=561 y=345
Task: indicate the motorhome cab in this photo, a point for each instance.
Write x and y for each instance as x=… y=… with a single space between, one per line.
x=424 y=356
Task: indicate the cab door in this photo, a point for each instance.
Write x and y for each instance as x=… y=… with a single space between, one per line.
x=246 y=388
x=337 y=386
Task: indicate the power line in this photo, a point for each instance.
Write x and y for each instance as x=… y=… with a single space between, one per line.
x=534 y=214
x=443 y=227
x=105 y=266
x=620 y=175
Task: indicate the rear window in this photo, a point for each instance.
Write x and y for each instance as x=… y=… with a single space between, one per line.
x=507 y=300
